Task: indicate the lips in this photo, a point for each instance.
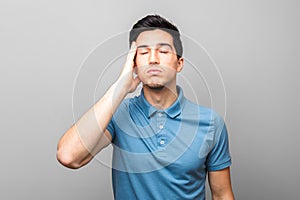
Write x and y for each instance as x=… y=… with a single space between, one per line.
x=153 y=71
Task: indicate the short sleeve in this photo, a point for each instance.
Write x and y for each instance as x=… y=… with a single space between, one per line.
x=111 y=129
x=117 y=119
x=219 y=157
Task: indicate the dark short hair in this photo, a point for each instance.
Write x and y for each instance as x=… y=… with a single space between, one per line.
x=152 y=22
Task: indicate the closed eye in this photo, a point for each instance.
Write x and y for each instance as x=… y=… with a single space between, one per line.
x=142 y=51
x=163 y=51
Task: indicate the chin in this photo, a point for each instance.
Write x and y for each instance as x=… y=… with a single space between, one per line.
x=154 y=86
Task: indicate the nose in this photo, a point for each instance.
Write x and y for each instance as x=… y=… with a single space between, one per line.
x=153 y=59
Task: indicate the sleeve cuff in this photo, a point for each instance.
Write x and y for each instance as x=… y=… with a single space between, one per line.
x=219 y=167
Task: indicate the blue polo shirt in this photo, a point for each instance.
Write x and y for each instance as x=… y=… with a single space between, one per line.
x=165 y=154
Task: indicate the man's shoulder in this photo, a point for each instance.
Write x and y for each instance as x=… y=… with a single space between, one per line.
x=128 y=102
x=190 y=105
x=203 y=111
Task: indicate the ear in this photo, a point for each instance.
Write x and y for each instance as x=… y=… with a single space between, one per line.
x=180 y=62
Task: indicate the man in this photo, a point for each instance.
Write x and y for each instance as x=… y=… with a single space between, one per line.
x=164 y=145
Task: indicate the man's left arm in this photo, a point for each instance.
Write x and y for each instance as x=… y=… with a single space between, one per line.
x=220 y=184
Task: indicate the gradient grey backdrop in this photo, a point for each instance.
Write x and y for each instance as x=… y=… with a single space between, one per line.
x=254 y=43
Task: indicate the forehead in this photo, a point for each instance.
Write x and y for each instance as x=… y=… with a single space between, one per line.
x=154 y=37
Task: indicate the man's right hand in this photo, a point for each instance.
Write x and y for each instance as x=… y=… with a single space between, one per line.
x=126 y=80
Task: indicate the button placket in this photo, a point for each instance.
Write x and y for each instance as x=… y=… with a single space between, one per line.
x=160 y=120
x=161 y=126
x=161 y=138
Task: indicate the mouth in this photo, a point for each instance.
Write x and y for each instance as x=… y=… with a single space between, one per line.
x=153 y=71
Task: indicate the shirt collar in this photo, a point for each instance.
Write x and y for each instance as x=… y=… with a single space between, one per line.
x=173 y=111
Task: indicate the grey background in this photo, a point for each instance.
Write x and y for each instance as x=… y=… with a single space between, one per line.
x=43 y=43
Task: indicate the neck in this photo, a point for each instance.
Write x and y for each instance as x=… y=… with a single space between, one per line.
x=162 y=97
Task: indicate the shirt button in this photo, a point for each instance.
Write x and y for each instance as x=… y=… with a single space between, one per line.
x=159 y=114
x=162 y=142
x=161 y=126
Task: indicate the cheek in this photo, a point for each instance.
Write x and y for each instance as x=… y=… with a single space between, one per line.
x=168 y=60
x=171 y=65
x=140 y=60
x=139 y=70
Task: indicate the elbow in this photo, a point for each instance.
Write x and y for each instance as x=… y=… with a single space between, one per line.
x=67 y=160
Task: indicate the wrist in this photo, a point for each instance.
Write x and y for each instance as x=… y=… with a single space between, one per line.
x=119 y=89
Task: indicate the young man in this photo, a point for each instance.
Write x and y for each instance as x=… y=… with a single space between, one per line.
x=164 y=145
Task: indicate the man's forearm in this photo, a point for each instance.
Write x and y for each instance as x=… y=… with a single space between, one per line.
x=94 y=123
x=78 y=143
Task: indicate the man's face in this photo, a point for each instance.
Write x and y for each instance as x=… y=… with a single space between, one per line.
x=156 y=60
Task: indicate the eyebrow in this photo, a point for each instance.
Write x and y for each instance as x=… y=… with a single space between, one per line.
x=159 y=44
